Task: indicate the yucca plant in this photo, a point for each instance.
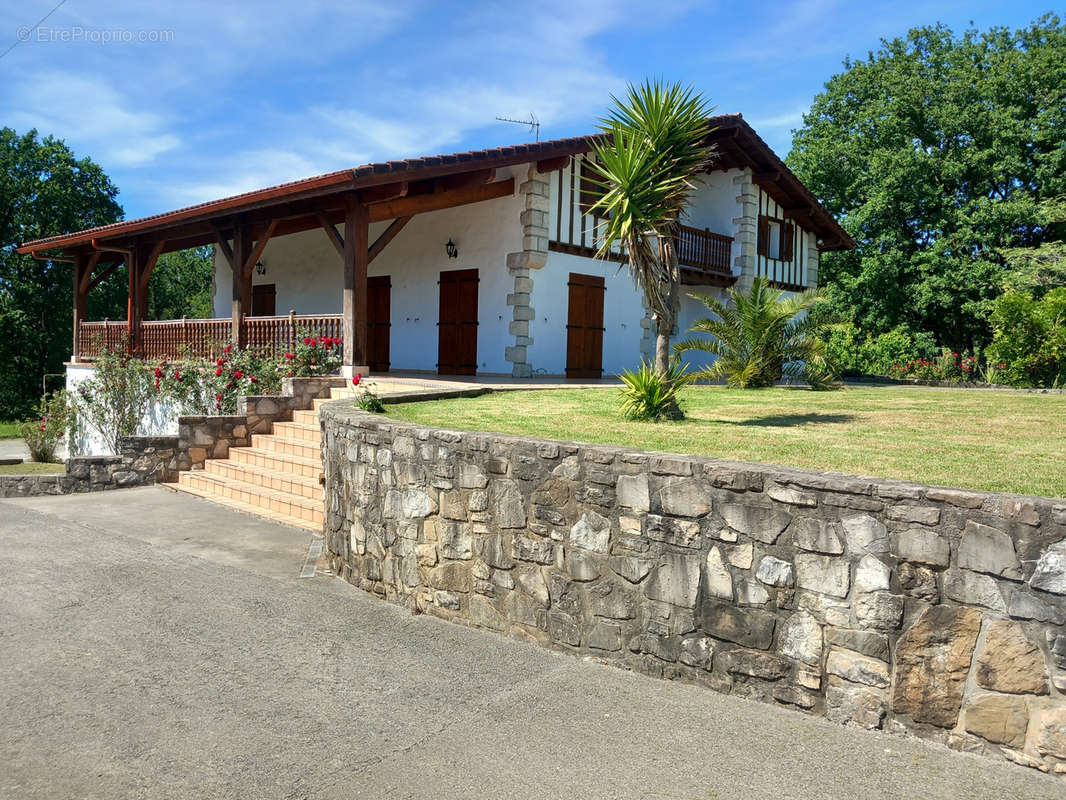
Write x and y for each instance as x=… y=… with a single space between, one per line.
x=645 y=165
x=759 y=335
x=649 y=395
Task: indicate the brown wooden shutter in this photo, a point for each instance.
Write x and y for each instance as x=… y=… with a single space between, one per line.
x=764 y=236
x=788 y=233
x=584 y=326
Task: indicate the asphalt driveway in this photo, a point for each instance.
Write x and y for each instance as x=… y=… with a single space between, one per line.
x=158 y=645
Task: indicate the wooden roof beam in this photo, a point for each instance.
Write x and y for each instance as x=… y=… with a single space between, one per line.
x=331 y=232
x=420 y=204
x=383 y=193
x=552 y=164
x=463 y=179
x=387 y=236
x=258 y=248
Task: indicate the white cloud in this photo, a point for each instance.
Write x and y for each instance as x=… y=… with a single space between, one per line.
x=96 y=113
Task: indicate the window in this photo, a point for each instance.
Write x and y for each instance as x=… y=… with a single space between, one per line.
x=775 y=238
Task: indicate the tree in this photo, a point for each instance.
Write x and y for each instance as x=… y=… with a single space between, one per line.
x=654 y=146
x=180 y=285
x=759 y=335
x=44 y=190
x=1037 y=270
x=935 y=152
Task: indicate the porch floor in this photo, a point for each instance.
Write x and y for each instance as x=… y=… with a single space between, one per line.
x=402 y=382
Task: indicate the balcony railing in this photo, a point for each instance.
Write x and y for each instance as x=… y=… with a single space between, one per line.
x=698 y=248
x=176 y=338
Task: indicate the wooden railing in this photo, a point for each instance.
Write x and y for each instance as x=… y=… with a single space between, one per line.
x=700 y=249
x=177 y=338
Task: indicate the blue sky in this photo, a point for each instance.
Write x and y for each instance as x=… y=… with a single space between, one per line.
x=226 y=97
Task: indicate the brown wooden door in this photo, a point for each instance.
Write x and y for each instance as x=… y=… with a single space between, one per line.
x=378 y=321
x=457 y=329
x=264 y=297
x=584 y=327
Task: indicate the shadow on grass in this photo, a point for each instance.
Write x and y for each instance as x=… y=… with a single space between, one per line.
x=790 y=420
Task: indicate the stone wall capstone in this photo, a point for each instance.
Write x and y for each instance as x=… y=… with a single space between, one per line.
x=878 y=603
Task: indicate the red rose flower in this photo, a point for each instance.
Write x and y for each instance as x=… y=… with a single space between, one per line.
x=238 y=374
x=158 y=373
x=307 y=340
x=356 y=378
x=42 y=427
x=314 y=342
x=218 y=372
x=218 y=398
x=289 y=356
x=220 y=362
x=253 y=379
x=227 y=349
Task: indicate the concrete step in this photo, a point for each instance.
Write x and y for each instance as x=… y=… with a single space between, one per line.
x=305 y=417
x=292 y=447
x=277 y=462
x=298 y=431
x=284 y=482
x=302 y=511
x=247 y=508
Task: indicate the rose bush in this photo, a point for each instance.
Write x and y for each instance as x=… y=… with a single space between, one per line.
x=44 y=432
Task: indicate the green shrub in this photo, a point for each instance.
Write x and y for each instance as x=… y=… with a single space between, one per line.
x=759 y=335
x=858 y=353
x=117 y=397
x=650 y=396
x=365 y=396
x=49 y=426
x=1029 y=338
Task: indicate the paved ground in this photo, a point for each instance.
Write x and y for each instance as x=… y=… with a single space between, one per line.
x=157 y=645
x=14 y=448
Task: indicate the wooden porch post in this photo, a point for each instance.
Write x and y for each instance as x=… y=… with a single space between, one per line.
x=133 y=312
x=242 y=286
x=356 y=258
x=81 y=265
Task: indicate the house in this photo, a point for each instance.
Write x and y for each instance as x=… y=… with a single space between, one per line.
x=472 y=263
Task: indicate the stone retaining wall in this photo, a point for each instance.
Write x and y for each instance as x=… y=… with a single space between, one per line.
x=878 y=603
x=142 y=460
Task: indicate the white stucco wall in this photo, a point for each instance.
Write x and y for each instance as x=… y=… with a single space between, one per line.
x=306 y=270
x=161 y=419
x=622 y=312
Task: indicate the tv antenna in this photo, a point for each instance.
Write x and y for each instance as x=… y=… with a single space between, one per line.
x=532 y=122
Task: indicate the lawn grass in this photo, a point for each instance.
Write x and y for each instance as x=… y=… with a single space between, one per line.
x=996 y=441
x=9 y=430
x=31 y=468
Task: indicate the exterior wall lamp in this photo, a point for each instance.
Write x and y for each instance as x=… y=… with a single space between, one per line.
x=260 y=268
x=451 y=249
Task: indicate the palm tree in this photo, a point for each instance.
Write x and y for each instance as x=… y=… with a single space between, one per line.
x=654 y=144
x=758 y=336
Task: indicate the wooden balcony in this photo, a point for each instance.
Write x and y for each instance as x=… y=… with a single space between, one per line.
x=177 y=338
x=704 y=256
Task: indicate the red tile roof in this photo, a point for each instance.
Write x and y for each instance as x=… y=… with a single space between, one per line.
x=378 y=173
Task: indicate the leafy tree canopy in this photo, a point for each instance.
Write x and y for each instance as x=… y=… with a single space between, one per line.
x=936 y=152
x=44 y=190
